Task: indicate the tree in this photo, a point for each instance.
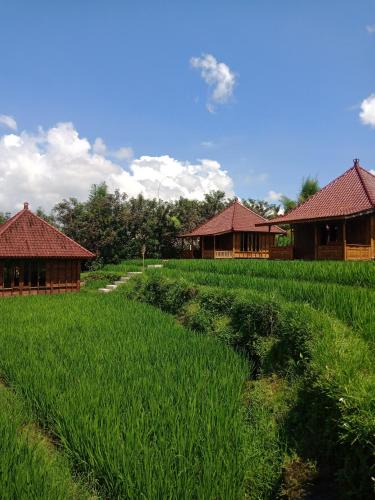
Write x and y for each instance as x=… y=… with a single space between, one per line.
x=309 y=186
x=4 y=217
x=262 y=207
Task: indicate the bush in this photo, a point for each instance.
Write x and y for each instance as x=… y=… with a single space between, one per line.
x=332 y=415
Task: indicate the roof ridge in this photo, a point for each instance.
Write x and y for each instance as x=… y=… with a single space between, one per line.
x=333 y=181
x=59 y=232
x=213 y=217
x=26 y=211
x=236 y=202
x=359 y=170
x=9 y=222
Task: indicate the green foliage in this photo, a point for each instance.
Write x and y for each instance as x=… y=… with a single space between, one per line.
x=262 y=207
x=309 y=186
x=135 y=401
x=30 y=466
x=330 y=418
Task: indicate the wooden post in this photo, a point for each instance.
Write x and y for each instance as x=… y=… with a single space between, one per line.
x=214 y=245
x=234 y=243
x=316 y=241
x=344 y=238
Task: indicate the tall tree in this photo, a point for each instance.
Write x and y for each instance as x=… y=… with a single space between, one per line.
x=309 y=186
x=262 y=207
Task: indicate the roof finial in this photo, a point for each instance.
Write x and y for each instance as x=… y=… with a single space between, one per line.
x=26 y=205
x=356 y=162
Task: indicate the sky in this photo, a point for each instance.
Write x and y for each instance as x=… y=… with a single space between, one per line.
x=176 y=98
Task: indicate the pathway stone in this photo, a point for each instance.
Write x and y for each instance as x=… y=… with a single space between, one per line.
x=121 y=281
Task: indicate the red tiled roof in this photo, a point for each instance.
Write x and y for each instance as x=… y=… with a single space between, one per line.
x=236 y=217
x=27 y=235
x=351 y=193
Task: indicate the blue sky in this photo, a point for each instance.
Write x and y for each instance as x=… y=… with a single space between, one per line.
x=122 y=72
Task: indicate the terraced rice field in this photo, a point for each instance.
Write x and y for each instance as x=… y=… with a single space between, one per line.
x=132 y=403
x=106 y=397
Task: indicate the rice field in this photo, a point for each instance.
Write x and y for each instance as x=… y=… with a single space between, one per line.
x=137 y=406
x=106 y=397
x=347 y=293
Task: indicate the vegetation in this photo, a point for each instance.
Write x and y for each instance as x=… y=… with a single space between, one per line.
x=263 y=388
x=30 y=467
x=311 y=403
x=309 y=186
x=134 y=400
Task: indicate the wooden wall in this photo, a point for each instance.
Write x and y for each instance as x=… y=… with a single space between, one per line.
x=62 y=275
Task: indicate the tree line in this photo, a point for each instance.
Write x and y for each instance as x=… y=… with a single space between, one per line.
x=116 y=227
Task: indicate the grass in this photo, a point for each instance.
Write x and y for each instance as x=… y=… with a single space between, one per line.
x=134 y=400
x=139 y=406
x=30 y=466
x=329 y=416
x=353 y=305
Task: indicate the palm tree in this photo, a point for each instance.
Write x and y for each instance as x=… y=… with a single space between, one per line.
x=309 y=186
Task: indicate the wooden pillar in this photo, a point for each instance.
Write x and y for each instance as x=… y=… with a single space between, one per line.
x=373 y=235
x=344 y=238
x=234 y=243
x=316 y=241
x=214 y=245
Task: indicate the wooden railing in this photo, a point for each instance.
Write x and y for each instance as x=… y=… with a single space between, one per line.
x=223 y=254
x=331 y=252
x=281 y=253
x=358 y=252
x=260 y=254
x=207 y=254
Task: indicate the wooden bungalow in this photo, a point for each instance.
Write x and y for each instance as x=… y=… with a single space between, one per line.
x=337 y=223
x=36 y=258
x=232 y=234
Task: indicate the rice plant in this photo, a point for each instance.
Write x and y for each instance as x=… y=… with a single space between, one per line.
x=140 y=405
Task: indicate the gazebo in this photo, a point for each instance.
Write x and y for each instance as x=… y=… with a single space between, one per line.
x=36 y=258
x=338 y=222
x=232 y=234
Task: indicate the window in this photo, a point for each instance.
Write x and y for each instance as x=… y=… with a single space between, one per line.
x=329 y=233
x=34 y=273
x=7 y=275
x=42 y=274
x=244 y=245
x=16 y=275
x=250 y=242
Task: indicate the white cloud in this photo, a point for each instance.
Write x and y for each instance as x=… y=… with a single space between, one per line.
x=99 y=146
x=273 y=196
x=370 y=28
x=207 y=144
x=123 y=153
x=45 y=167
x=373 y=172
x=218 y=76
x=8 y=121
x=367 y=114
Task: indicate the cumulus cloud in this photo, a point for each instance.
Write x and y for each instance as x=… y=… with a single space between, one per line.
x=273 y=196
x=99 y=146
x=373 y=172
x=367 y=113
x=8 y=121
x=218 y=77
x=125 y=153
x=46 y=166
x=370 y=28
